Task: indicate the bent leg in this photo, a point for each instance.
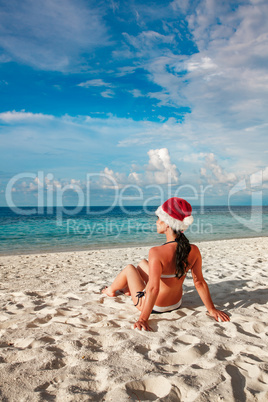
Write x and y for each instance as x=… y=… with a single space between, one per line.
x=131 y=278
x=143 y=268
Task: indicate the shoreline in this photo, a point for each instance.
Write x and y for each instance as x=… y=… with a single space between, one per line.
x=116 y=246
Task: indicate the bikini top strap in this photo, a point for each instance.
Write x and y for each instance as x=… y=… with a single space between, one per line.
x=173 y=241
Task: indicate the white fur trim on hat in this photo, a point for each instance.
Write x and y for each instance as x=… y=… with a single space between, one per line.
x=174 y=224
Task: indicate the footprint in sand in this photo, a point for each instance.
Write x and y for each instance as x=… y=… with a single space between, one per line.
x=33 y=294
x=144 y=351
x=220 y=330
x=42 y=387
x=251 y=358
x=263 y=373
x=32 y=343
x=119 y=336
x=242 y=331
x=252 y=369
x=185 y=356
x=152 y=389
x=45 y=389
x=223 y=353
x=93 y=351
x=23 y=343
x=56 y=361
x=238 y=383
x=2 y=359
x=93 y=356
x=40 y=321
x=64 y=311
x=260 y=308
x=259 y=328
x=40 y=306
x=187 y=339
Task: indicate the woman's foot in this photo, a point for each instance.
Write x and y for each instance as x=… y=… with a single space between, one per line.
x=126 y=291
x=107 y=291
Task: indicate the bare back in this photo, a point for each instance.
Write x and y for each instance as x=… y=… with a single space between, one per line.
x=170 y=291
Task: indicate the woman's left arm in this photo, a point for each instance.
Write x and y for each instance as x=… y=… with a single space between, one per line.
x=152 y=290
x=203 y=290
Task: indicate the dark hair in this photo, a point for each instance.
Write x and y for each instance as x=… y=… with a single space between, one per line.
x=182 y=252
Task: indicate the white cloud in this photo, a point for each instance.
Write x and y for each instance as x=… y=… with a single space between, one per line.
x=22 y=116
x=205 y=63
x=265 y=174
x=136 y=93
x=148 y=39
x=226 y=81
x=108 y=93
x=182 y=5
x=34 y=185
x=135 y=178
x=214 y=173
x=38 y=182
x=111 y=180
x=194 y=157
x=94 y=83
x=126 y=70
x=50 y=35
x=161 y=71
x=235 y=86
x=67 y=144
x=159 y=171
x=151 y=132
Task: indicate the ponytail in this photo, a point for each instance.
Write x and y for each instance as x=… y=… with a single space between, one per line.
x=182 y=252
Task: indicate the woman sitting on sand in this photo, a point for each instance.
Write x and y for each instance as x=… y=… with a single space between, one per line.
x=156 y=285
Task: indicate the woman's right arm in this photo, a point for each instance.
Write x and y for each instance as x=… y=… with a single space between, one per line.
x=203 y=290
x=152 y=290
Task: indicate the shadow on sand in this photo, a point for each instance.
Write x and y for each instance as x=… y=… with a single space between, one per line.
x=236 y=293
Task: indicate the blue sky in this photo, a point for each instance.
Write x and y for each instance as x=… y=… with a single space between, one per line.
x=141 y=93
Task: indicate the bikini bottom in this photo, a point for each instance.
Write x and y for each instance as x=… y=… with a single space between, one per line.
x=166 y=309
x=159 y=309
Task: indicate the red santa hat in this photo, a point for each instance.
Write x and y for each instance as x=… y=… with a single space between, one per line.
x=176 y=213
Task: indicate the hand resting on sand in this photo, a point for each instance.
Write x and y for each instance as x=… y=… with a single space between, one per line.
x=218 y=315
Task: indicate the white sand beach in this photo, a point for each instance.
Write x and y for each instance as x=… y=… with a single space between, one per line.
x=62 y=340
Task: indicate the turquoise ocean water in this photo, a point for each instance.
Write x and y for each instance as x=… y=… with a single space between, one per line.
x=60 y=229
